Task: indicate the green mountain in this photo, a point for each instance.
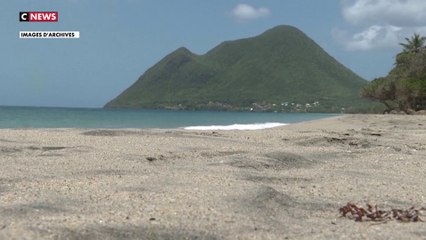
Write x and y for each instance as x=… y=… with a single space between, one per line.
x=281 y=70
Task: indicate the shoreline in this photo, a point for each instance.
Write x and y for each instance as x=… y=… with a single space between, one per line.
x=239 y=126
x=277 y=183
x=99 y=118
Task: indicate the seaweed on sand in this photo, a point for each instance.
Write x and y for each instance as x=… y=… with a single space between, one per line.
x=373 y=213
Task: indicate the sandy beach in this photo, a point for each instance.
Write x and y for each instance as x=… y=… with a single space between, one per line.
x=282 y=183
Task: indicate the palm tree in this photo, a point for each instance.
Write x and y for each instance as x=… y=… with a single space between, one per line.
x=414 y=43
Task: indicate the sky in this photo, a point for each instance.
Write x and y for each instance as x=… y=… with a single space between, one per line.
x=121 y=39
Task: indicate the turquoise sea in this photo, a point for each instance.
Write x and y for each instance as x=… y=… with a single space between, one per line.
x=43 y=117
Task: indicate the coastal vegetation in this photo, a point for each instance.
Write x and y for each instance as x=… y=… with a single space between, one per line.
x=404 y=88
x=280 y=70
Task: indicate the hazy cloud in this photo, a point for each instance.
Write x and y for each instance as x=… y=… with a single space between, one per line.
x=244 y=12
x=373 y=37
x=385 y=22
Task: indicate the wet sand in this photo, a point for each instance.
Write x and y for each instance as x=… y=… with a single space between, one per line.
x=281 y=183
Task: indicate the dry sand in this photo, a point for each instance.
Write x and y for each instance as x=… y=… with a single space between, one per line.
x=281 y=183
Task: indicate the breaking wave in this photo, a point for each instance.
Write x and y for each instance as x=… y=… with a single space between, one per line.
x=255 y=126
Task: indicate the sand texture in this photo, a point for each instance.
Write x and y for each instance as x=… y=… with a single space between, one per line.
x=281 y=183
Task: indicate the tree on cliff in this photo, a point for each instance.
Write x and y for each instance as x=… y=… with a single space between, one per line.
x=414 y=44
x=404 y=88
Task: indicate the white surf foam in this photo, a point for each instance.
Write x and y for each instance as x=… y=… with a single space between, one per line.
x=256 y=126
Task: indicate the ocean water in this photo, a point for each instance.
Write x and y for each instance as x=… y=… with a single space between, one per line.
x=42 y=117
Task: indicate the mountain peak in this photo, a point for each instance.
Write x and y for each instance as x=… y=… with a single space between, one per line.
x=183 y=50
x=283 y=28
x=281 y=65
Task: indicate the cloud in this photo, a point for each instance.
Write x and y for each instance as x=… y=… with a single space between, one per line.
x=392 y=12
x=383 y=23
x=244 y=12
x=373 y=37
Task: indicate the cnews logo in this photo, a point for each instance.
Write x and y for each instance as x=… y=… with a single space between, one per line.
x=38 y=16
